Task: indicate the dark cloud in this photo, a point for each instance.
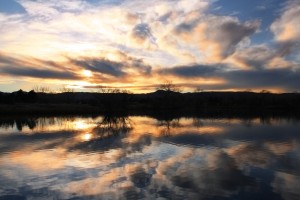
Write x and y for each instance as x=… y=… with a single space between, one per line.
x=192 y=71
x=142 y=31
x=6 y=60
x=287 y=48
x=283 y=78
x=262 y=78
x=256 y=57
x=136 y=63
x=141 y=66
x=116 y=69
x=49 y=69
x=186 y=26
x=38 y=73
x=164 y=18
x=237 y=31
x=231 y=33
x=19 y=67
x=102 y=66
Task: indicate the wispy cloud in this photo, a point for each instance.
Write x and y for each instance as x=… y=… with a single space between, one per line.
x=286 y=29
x=34 y=68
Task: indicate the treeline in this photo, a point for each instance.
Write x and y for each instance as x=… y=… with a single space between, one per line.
x=158 y=100
x=18 y=97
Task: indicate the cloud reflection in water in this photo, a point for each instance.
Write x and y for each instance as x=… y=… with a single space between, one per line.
x=145 y=158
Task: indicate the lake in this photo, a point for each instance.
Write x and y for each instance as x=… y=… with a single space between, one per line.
x=139 y=157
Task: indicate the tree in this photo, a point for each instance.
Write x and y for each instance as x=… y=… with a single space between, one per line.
x=65 y=89
x=199 y=90
x=42 y=89
x=169 y=87
x=265 y=92
x=108 y=90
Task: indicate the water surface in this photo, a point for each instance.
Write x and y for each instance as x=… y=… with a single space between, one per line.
x=109 y=157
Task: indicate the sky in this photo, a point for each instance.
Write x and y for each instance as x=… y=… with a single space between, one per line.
x=215 y=45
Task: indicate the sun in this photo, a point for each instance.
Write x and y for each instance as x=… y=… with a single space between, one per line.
x=87 y=73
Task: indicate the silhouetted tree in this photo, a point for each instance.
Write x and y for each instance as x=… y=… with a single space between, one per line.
x=169 y=87
x=265 y=92
x=199 y=90
x=41 y=89
x=65 y=89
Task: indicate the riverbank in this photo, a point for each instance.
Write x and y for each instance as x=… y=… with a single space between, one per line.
x=159 y=103
x=162 y=113
x=48 y=109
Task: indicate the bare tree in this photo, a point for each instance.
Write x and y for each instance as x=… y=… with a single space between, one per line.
x=169 y=86
x=108 y=90
x=42 y=89
x=65 y=89
x=248 y=90
x=198 y=89
x=265 y=92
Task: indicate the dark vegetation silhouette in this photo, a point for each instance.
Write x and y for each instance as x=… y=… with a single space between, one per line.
x=19 y=122
x=113 y=125
x=119 y=123
x=166 y=98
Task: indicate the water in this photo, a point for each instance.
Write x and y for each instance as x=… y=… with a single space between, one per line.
x=134 y=157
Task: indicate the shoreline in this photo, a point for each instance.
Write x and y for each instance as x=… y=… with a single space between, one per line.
x=205 y=111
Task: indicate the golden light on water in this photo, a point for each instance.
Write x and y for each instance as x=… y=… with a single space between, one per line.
x=81 y=125
x=86 y=137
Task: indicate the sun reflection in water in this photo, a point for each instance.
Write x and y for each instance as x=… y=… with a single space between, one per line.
x=86 y=137
x=81 y=125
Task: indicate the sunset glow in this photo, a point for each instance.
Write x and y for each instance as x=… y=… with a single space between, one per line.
x=136 y=45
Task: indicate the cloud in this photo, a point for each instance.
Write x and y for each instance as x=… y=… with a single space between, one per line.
x=77 y=28
x=119 y=65
x=119 y=68
x=102 y=66
x=193 y=71
x=254 y=57
x=43 y=9
x=142 y=33
x=260 y=57
x=286 y=29
x=26 y=68
x=216 y=36
x=286 y=78
x=274 y=78
x=38 y=73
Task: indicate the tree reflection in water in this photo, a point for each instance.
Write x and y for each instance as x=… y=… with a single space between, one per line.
x=112 y=125
x=168 y=125
x=20 y=123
